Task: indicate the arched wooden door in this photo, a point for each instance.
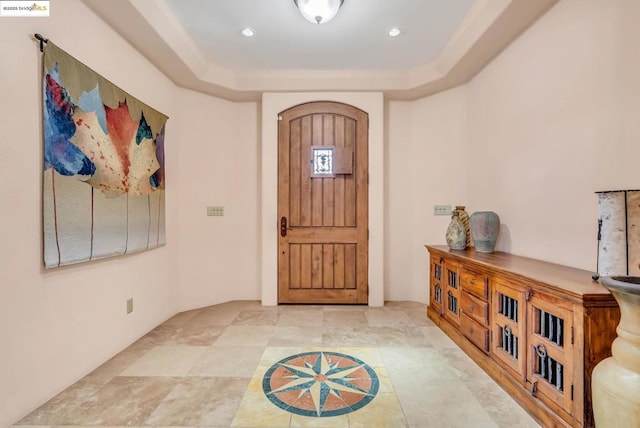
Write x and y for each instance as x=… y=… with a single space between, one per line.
x=323 y=204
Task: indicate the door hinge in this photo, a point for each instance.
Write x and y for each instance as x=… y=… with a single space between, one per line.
x=571 y=392
x=279 y=117
x=572 y=335
x=367 y=233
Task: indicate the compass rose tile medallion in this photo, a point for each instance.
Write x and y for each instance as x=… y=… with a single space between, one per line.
x=320 y=384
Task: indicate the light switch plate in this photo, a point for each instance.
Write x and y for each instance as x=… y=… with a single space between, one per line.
x=215 y=211
x=442 y=210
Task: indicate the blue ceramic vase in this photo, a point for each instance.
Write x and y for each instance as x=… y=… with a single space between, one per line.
x=485 y=226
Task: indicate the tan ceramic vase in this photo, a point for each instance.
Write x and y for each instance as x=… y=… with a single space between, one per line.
x=464 y=218
x=616 y=380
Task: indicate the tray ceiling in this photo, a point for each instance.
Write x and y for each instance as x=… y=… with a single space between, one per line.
x=199 y=45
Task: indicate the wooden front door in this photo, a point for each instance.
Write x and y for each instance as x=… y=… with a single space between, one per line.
x=323 y=204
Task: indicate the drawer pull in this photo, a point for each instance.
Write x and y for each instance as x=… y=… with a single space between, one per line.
x=470 y=330
x=472 y=282
x=541 y=350
x=472 y=307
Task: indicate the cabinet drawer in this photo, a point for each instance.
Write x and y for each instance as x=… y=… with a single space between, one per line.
x=475 y=332
x=475 y=308
x=475 y=284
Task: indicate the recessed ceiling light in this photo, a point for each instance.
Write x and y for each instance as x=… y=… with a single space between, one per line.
x=394 y=32
x=248 y=32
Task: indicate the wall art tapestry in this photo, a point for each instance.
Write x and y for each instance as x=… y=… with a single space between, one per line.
x=104 y=180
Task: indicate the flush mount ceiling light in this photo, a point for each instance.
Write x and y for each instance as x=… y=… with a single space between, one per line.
x=318 y=11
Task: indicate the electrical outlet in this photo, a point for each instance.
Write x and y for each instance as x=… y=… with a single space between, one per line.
x=442 y=210
x=130 y=305
x=215 y=211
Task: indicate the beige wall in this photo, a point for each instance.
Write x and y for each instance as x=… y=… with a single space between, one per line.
x=426 y=163
x=218 y=166
x=58 y=325
x=553 y=119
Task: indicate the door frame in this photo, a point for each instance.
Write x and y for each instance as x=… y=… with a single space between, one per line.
x=272 y=104
x=310 y=228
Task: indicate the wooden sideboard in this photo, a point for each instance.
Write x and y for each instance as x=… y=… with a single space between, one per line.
x=537 y=328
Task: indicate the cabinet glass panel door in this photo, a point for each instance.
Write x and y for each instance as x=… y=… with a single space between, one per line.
x=436 y=285
x=452 y=292
x=550 y=350
x=508 y=327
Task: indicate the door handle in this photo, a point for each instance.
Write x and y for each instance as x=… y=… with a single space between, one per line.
x=283 y=226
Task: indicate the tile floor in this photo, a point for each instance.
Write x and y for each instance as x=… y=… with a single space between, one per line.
x=205 y=368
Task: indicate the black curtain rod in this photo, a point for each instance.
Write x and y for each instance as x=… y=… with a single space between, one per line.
x=42 y=40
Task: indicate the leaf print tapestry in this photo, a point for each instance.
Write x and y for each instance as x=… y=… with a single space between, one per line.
x=104 y=180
